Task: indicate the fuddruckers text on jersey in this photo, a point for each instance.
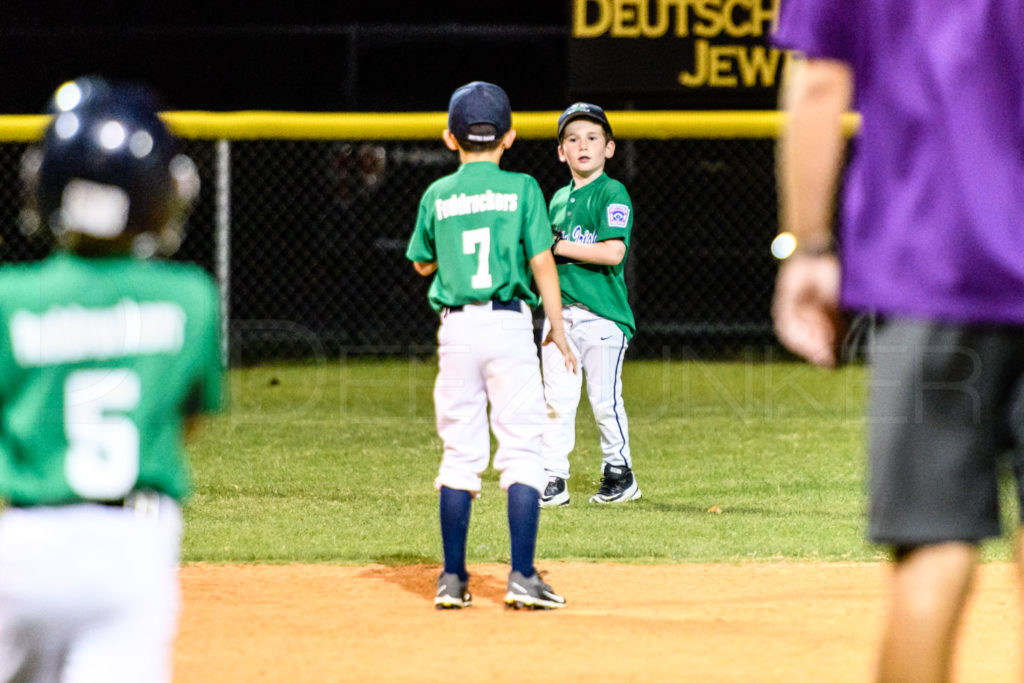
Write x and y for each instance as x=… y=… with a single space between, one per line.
x=463 y=204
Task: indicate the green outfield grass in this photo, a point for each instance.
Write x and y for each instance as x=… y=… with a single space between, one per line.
x=334 y=462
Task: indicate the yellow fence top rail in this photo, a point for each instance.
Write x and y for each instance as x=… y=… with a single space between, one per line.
x=250 y=125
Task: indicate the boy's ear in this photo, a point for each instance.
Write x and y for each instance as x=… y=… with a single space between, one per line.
x=561 y=153
x=450 y=141
x=508 y=138
x=609 y=149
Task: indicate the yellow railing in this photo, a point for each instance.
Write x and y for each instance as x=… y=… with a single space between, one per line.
x=248 y=125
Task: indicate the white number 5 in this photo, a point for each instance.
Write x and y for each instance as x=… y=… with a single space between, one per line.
x=102 y=461
x=470 y=239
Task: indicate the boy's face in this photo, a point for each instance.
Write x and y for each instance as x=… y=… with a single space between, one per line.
x=584 y=147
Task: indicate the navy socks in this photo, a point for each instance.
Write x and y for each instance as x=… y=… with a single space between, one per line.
x=523 y=516
x=455 y=508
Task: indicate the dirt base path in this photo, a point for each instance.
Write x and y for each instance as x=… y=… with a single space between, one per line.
x=750 y=622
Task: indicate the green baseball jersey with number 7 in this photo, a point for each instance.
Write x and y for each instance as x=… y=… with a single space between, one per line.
x=598 y=211
x=482 y=225
x=101 y=361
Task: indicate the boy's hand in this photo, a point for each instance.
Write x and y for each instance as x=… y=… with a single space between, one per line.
x=554 y=250
x=557 y=337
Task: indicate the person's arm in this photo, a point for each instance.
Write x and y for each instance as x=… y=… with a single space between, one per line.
x=425 y=269
x=545 y=274
x=815 y=95
x=421 y=250
x=604 y=253
x=805 y=307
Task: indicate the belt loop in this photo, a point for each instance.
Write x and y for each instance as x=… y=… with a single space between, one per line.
x=143 y=503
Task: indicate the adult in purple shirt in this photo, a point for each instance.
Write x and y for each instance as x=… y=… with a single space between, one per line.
x=933 y=243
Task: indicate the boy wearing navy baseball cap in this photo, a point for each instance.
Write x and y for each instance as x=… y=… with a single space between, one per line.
x=479 y=112
x=592 y=218
x=481 y=232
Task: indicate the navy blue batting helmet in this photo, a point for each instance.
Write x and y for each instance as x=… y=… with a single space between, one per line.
x=109 y=169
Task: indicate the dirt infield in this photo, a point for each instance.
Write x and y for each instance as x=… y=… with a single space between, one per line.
x=749 y=622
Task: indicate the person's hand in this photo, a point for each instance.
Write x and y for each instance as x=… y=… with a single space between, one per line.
x=557 y=337
x=805 y=307
x=559 y=260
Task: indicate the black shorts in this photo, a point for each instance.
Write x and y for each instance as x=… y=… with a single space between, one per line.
x=946 y=414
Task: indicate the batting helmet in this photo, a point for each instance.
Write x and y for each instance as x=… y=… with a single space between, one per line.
x=108 y=171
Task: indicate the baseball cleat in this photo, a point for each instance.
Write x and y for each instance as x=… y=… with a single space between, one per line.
x=531 y=593
x=555 y=494
x=452 y=593
x=618 y=485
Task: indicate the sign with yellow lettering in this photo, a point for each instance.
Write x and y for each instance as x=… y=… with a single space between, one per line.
x=705 y=53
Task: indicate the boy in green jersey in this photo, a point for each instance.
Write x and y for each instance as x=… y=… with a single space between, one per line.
x=592 y=218
x=105 y=358
x=481 y=232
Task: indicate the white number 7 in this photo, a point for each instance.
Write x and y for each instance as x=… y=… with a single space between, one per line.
x=470 y=239
x=102 y=462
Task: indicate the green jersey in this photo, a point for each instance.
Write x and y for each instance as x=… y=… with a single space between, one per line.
x=101 y=360
x=600 y=210
x=481 y=225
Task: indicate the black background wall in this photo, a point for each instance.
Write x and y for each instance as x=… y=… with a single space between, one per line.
x=305 y=55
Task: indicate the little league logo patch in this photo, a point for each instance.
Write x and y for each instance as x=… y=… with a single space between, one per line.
x=618 y=215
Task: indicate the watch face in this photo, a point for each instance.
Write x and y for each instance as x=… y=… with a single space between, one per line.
x=783 y=245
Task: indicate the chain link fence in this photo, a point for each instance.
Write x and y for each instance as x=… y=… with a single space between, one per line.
x=315 y=264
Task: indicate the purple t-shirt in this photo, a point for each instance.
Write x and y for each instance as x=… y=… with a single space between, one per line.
x=933 y=210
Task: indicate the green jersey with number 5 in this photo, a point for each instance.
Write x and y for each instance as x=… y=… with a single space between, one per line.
x=481 y=225
x=101 y=361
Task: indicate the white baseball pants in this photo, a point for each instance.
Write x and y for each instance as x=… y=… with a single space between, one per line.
x=600 y=346
x=489 y=355
x=89 y=593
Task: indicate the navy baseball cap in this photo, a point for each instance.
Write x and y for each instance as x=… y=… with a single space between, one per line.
x=583 y=110
x=479 y=102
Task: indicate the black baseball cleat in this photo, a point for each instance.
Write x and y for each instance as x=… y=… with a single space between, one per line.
x=555 y=494
x=618 y=485
x=451 y=592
